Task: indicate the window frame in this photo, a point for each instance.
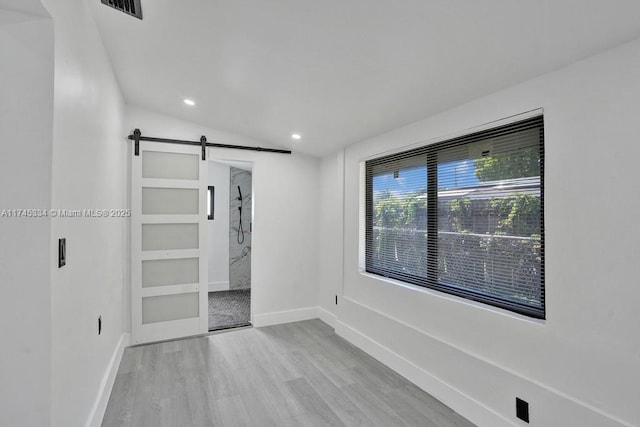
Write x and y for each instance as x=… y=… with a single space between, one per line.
x=431 y=280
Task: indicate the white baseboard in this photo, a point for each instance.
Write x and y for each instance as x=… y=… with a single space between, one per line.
x=100 y=405
x=327 y=317
x=218 y=286
x=475 y=411
x=287 y=316
x=479 y=390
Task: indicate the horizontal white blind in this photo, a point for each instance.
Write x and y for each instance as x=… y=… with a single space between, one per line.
x=399 y=216
x=463 y=216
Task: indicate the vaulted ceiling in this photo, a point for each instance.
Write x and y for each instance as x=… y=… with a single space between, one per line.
x=339 y=71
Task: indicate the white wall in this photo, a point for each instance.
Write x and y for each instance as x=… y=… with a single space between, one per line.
x=26 y=134
x=285 y=239
x=219 y=229
x=330 y=232
x=89 y=172
x=579 y=367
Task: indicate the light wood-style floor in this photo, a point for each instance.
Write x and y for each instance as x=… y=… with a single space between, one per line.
x=296 y=374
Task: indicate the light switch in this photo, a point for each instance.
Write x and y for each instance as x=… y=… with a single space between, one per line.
x=62 y=252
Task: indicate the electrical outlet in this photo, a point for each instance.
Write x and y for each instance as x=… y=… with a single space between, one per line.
x=522 y=409
x=99 y=325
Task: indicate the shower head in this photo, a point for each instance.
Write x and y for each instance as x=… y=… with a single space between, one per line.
x=240 y=237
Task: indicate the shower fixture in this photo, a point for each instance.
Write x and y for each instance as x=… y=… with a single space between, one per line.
x=240 y=235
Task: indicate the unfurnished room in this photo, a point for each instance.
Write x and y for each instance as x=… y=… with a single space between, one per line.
x=319 y=213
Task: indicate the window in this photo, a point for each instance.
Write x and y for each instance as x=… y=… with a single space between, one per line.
x=463 y=216
x=211 y=197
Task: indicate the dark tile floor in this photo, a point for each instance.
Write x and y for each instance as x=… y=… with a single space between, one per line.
x=229 y=308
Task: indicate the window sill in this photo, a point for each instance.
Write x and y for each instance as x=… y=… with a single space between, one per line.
x=453 y=298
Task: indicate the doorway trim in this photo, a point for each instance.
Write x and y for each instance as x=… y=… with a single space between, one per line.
x=249 y=165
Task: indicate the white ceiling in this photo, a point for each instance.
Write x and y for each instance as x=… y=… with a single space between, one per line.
x=29 y=7
x=12 y=12
x=339 y=71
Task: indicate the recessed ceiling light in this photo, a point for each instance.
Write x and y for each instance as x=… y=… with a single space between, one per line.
x=295 y=136
x=189 y=102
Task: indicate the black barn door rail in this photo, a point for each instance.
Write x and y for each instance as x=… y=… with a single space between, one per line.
x=137 y=137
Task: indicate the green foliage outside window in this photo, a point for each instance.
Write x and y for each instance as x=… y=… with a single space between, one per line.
x=522 y=164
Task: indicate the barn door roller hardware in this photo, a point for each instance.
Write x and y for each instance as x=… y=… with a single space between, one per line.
x=203 y=144
x=137 y=137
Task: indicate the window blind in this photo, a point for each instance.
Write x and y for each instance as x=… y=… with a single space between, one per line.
x=464 y=216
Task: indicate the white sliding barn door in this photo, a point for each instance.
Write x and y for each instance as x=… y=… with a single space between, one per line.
x=168 y=242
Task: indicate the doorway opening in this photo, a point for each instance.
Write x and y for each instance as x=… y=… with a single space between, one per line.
x=229 y=238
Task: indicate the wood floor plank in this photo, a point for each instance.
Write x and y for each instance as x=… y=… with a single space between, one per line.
x=379 y=413
x=304 y=420
x=254 y=377
x=152 y=376
x=222 y=381
x=260 y=409
x=131 y=360
x=233 y=413
x=313 y=404
x=349 y=413
x=177 y=410
x=296 y=374
x=432 y=408
x=372 y=382
x=200 y=399
x=280 y=396
x=120 y=407
x=332 y=367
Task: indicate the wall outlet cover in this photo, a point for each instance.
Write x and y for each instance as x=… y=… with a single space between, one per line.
x=522 y=409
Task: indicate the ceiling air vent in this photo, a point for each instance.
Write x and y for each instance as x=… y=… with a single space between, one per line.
x=130 y=7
